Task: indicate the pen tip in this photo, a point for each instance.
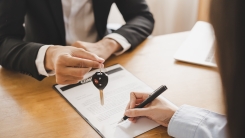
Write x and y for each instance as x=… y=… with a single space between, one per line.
x=120 y=121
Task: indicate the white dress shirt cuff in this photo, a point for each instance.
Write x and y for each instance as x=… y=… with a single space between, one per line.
x=186 y=121
x=40 y=61
x=121 y=40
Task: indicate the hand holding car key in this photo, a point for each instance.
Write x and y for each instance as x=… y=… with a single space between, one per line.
x=100 y=80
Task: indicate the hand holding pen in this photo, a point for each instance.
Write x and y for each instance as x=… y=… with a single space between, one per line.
x=160 y=109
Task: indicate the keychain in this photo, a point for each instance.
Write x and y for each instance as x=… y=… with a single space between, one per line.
x=100 y=80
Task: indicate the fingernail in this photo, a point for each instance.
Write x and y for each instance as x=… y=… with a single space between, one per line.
x=101 y=59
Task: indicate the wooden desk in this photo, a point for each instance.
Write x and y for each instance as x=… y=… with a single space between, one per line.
x=29 y=108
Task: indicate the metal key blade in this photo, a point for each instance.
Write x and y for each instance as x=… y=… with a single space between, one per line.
x=101 y=97
x=100 y=80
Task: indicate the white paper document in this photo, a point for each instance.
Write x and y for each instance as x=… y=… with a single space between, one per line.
x=84 y=97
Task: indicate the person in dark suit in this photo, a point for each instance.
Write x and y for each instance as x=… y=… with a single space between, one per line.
x=33 y=34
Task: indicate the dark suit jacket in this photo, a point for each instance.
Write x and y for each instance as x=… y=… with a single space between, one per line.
x=44 y=25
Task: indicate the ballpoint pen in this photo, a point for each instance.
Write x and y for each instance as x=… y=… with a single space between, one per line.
x=151 y=97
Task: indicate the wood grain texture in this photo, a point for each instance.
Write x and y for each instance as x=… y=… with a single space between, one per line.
x=29 y=108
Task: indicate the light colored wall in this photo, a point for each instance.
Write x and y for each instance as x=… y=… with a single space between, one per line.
x=170 y=15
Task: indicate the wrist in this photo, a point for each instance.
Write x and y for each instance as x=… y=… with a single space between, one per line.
x=171 y=114
x=111 y=45
x=48 y=61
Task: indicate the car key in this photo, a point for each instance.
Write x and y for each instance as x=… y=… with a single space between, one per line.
x=100 y=80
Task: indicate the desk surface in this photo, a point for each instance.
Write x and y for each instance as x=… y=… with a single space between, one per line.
x=29 y=108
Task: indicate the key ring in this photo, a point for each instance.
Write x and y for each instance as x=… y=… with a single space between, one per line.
x=105 y=70
x=100 y=68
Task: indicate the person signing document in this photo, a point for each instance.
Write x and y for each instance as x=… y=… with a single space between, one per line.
x=227 y=18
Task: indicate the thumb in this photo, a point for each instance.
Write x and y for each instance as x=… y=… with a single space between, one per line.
x=137 y=112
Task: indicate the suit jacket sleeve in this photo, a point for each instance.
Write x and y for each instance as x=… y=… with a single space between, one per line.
x=139 y=21
x=193 y=122
x=15 y=54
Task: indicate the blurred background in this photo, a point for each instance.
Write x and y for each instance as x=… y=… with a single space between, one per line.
x=171 y=16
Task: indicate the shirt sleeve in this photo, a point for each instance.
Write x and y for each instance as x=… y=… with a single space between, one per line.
x=193 y=122
x=40 y=61
x=121 y=40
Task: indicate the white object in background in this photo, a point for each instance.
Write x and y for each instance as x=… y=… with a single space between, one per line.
x=199 y=47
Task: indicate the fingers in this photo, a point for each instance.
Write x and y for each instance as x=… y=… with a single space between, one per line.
x=136 y=98
x=70 y=82
x=138 y=101
x=70 y=75
x=133 y=119
x=81 y=53
x=137 y=112
x=127 y=107
x=75 y=72
x=132 y=100
x=67 y=79
x=80 y=62
x=71 y=64
x=65 y=66
x=69 y=61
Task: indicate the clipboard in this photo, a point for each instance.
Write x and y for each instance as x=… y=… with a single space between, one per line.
x=84 y=98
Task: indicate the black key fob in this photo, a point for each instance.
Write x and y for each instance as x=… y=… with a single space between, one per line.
x=100 y=80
